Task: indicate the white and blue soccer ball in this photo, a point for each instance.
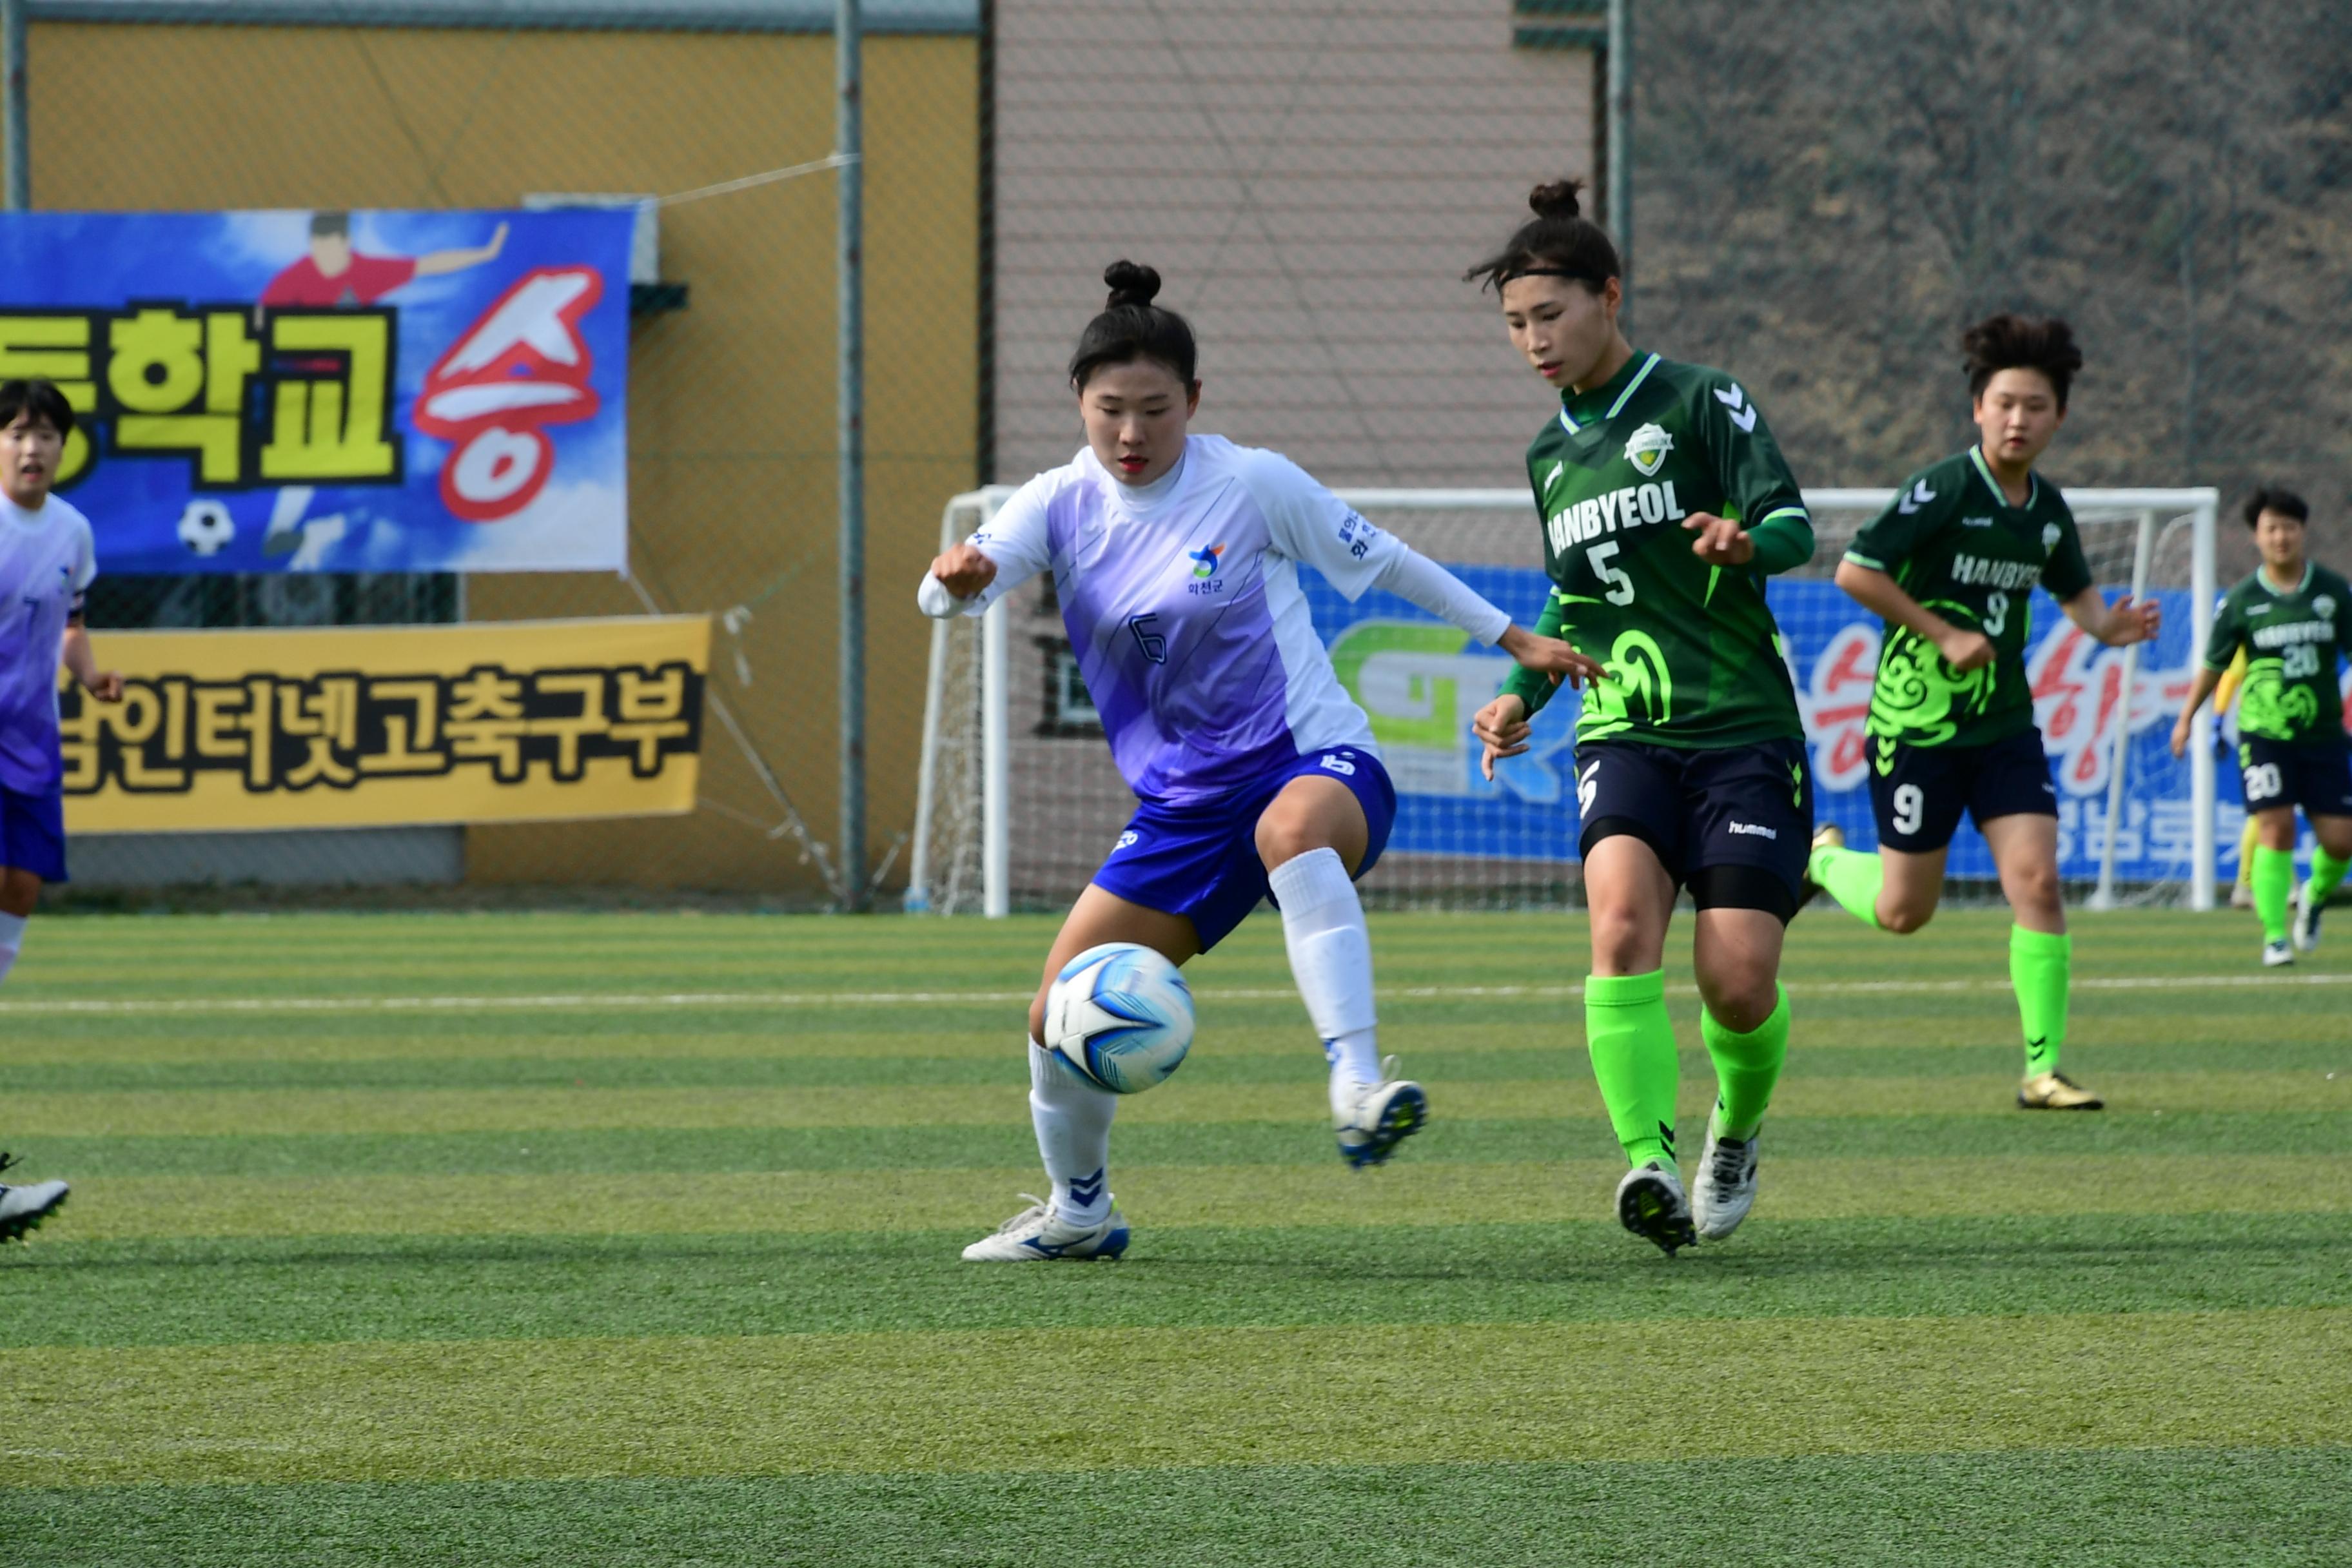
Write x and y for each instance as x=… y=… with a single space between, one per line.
x=1121 y=1015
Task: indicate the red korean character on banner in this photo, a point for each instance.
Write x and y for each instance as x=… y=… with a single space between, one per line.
x=522 y=365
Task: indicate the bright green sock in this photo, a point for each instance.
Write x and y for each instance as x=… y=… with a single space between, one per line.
x=2274 y=885
x=1632 y=1044
x=1852 y=878
x=2326 y=874
x=1746 y=1066
x=2041 y=965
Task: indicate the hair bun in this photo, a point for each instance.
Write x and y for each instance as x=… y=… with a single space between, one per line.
x=1557 y=199
x=1130 y=283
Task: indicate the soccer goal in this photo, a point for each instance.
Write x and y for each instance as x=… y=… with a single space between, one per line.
x=1018 y=801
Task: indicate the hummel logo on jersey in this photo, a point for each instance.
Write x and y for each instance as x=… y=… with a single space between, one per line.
x=1647 y=447
x=1920 y=495
x=1552 y=478
x=1743 y=413
x=1976 y=522
x=1752 y=830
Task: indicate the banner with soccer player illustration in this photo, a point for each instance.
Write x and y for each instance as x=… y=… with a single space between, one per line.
x=332 y=391
x=1420 y=680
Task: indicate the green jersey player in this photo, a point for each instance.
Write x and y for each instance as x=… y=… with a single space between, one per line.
x=1664 y=504
x=1949 y=566
x=2290 y=621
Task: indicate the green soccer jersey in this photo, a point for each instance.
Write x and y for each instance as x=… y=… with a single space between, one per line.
x=2292 y=641
x=1952 y=542
x=1692 y=654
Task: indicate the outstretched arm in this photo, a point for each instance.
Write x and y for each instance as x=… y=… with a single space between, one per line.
x=436 y=263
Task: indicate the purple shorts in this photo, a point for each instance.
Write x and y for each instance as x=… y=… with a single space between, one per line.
x=1201 y=861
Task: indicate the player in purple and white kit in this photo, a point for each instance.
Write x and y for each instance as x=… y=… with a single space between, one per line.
x=1175 y=559
x=47 y=563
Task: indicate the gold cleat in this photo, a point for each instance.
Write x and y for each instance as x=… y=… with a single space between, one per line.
x=1829 y=836
x=2057 y=1091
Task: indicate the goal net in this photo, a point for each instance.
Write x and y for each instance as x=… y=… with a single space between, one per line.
x=1019 y=801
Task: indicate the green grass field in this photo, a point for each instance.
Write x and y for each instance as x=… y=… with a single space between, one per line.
x=632 y=1239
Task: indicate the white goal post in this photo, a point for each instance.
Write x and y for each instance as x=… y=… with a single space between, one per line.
x=973 y=850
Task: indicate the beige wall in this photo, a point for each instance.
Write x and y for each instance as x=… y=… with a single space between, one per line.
x=1311 y=179
x=731 y=401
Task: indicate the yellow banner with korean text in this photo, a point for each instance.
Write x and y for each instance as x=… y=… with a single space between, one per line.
x=383 y=726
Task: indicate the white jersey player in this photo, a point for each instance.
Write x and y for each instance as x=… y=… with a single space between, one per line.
x=1175 y=560
x=47 y=564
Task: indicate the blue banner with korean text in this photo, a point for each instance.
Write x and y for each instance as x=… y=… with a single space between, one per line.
x=330 y=391
x=1420 y=680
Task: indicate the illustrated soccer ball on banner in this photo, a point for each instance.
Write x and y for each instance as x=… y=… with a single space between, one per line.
x=1121 y=1015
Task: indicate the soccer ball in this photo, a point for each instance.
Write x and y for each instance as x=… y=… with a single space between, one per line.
x=1121 y=1015
x=207 y=528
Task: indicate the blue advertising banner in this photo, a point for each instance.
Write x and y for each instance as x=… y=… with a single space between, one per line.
x=1420 y=680
x=334 y=392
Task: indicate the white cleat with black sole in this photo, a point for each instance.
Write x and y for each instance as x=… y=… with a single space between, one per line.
x=1726 y=1188
x=1037 y=1235
x=22 y=1208
x=2307 y=920
x=1380 y=1115
x=1650 y=1202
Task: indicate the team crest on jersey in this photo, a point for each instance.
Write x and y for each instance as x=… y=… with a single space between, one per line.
x=1647 y=447
x=2323 y=606
x=2050 y=536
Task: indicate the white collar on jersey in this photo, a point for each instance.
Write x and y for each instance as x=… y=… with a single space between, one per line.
x=1641 y=376
x=2033 y=482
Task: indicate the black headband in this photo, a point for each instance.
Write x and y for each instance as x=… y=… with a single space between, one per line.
x=1580 y=274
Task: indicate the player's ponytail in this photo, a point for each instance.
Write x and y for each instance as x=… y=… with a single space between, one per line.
x=1560 y=241
x=1131 y=328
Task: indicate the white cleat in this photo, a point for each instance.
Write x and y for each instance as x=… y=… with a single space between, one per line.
x=22 y=1208
x=1650 y=1202
x=2307 y=920
x=2277 y=954
x=1036 y=1235
x=1725 y=1189
x=1380 y=1117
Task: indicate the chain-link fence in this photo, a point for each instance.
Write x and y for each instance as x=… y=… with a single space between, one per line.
x=1823 y=193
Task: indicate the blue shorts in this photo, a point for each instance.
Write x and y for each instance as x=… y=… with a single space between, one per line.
x=33 y=832
x=1201 y=861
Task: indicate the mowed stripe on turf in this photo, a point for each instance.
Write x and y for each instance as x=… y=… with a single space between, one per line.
x=1169 y=1197
x=231 y=1112
x=1991 y=984
x=1075 y=1398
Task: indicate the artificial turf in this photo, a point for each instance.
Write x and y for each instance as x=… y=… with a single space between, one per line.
x=526 y=1238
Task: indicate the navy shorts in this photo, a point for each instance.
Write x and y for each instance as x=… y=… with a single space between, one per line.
x=1920 y=797
x=33 y=832
x=2314 y=775
x=1735 y=825
x=1201 y=861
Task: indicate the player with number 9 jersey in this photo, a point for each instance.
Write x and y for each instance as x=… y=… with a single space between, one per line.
x=1175 y=560
x=1949 y=566
x=1664 y=505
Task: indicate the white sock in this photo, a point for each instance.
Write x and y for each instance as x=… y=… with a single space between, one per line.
x=12 y=939
x=1073 y=1120
x=1331 y=959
